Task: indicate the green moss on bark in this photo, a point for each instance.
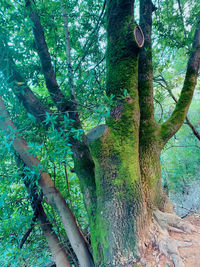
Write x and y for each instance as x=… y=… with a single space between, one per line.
x=119 y=196
x=173 y=124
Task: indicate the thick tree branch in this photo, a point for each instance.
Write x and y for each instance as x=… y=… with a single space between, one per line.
x=26 y=235
x=148 y=126
x=166 y=86
x=173 y=124
x=20 y=88
x=49 y=74
x=145 y=74
x=51 y=193
x=57 y=249
x=122 y=49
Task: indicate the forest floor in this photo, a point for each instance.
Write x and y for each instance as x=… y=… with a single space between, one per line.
x=189 y=255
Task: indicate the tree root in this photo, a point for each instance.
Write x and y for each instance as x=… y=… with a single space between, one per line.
x=165 y=222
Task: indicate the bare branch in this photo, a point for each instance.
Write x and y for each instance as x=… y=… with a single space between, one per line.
x=162 y=111
x=182 y=17
x=68 y=51
x=183 y=146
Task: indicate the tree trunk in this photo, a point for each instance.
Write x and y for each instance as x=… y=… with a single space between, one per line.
x=118 y=223
x=151 y=178
x=120 y=215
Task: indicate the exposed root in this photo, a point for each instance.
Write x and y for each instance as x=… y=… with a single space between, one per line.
x=172 y=222
x=165 y=222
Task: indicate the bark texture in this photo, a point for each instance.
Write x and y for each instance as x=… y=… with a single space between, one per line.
x=149 y=139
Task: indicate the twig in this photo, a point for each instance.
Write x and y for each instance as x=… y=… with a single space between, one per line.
x=89 y=43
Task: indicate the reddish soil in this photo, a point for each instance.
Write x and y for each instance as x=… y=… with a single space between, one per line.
x=190 y=255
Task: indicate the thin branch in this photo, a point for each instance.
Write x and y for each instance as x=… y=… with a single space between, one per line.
x=67 y=181
x=182 y=17
x=68 y=51
x=89 y=43
x=162 y=111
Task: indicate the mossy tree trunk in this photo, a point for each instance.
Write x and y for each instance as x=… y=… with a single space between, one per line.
x=119 y=216
x=119 y=171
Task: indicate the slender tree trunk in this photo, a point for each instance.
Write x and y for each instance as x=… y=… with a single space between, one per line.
x=57 y=249
x=55 y=246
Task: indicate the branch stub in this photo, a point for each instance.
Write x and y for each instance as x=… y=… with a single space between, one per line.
x=139 y=36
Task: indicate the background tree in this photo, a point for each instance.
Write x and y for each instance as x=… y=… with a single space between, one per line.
x=117 y=163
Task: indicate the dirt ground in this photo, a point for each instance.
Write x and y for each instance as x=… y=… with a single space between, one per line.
x=190 y=255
